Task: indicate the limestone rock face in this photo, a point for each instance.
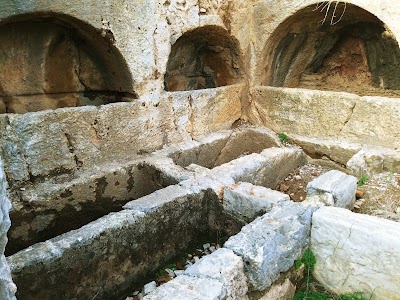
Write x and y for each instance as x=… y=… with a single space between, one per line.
x=271 y=243
x=356 y=252
x=326 y=115
x=7 y=287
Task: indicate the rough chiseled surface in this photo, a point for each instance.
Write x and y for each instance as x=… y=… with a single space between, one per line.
x=356 y=253
x=334 y=188
x=7 y=287
x=249 y=201
x=270 y=244
x=226 y=267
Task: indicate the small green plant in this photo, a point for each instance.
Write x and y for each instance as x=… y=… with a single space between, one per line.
x=162 y=271
x=283 y=137
x=304 y=295
x=308 y=260
x=355 y=296
x=171 y=267
x=363 y=180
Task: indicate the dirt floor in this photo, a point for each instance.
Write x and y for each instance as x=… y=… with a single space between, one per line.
x=381 y=196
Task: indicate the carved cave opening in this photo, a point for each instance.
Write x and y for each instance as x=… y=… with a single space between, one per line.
x=52 y=61
x=207 y=57
x=356 y=54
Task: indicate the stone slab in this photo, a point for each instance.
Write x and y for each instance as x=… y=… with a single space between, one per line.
x=267 y=169
x=248 y=201
x=356 y=252
x=158 y=199
x=282 y=291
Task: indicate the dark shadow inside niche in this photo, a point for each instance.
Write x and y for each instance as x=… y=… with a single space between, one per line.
x=206 y=57
x=356 y=54
x=50 y=61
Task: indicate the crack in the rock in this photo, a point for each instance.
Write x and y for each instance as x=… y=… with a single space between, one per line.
x=174 y=119
x=348 y=119
x=71 y=149
x=70 y=144
x=259 y=117
x=222 y=149
x=191 y=117
x=94 y=127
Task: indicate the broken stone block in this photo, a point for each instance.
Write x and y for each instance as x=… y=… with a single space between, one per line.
x=270 y=244
x=189 y=288
x=333 y=188
x=356 y=253
x=248 y=201
x=226 y=267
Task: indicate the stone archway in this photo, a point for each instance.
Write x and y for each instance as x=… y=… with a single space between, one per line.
x=49 y=61
x=205 y=57
x=356 y=54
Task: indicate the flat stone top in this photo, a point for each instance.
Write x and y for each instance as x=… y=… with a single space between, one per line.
x=331 y=181
x=370 y=224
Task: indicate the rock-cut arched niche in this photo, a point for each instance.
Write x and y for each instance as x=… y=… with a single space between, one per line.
x=353 y=52
x=206 y=57
x=52 y=61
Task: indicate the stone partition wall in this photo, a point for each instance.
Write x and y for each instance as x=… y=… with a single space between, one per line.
x=328 y=115
x=69 y=140
x=7 y=287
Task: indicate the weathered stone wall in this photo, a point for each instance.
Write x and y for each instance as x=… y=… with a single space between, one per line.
x=327 y=115
x=7 y=287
